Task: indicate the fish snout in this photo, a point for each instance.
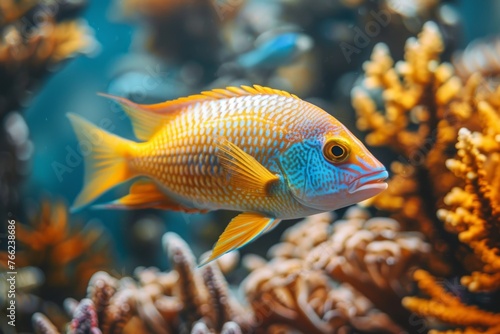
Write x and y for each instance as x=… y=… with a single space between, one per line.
x=371 y=183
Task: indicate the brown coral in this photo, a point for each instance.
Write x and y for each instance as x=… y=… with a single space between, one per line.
x=184 y=299
x=370 y=254
x=295 y=290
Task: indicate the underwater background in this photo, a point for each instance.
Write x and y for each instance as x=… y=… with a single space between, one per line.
x=416 y=80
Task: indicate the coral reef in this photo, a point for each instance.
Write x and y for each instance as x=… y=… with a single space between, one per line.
x=445 y=181
x=295 y=289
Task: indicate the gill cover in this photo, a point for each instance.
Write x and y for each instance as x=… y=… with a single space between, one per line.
x=309 y=174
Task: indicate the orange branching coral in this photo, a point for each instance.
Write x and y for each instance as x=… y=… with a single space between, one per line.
x=474 y=211
x=67 y=254
x=449 y=309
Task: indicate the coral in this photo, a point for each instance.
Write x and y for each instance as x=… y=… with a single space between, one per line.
x=425 y=106
x=296 y=289
x=371 y=255
x=448 y=308
x=182 y=300
x=474 y=211
x=444 y=187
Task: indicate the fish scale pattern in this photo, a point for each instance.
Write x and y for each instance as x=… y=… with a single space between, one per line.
x=182 y=156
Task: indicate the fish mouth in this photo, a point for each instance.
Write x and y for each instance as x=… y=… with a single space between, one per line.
x=373 y=181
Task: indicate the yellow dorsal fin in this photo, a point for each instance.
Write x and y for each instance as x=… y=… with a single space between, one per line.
x=244 y=172
x=216 y=94
x=241 y=230
x=147 y=119
x=145 y=122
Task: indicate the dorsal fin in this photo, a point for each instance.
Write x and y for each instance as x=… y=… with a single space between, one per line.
x=216 y=94
x=147 y=119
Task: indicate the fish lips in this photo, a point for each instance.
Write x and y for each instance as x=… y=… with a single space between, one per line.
x=370 y=184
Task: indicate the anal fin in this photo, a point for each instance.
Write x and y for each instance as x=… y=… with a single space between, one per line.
x=241 y=230
x=145 y=194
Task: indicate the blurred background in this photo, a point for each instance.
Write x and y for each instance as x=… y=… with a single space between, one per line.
x=56 y=55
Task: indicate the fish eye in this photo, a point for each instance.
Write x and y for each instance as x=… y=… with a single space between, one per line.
x=336 y=150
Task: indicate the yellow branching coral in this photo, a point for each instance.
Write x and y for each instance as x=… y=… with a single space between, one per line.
x=432 y=190
x=449 y=308
x=425 y=106
x=475 y=212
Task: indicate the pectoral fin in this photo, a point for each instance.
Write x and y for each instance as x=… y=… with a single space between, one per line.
x=145 y=194
x=241 y=230
x=244 y=172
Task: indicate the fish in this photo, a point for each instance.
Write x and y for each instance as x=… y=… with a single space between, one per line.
x=260 y=151
x=277 y=51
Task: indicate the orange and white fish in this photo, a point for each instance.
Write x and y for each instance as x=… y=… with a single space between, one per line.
x=257 y=150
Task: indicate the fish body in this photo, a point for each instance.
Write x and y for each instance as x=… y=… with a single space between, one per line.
x=257 y=150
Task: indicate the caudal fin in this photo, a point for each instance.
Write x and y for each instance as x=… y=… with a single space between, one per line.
x=105 y=157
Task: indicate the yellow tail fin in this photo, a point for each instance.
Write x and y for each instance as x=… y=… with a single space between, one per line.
x=105 y=157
